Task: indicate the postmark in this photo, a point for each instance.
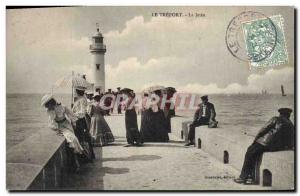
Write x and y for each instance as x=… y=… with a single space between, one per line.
x=257 y=43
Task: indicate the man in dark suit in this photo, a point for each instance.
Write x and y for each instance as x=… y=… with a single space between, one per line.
x=203 y=116
x=276 y=135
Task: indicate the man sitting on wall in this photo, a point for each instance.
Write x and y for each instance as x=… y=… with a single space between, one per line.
x=276 y=135
x=204 y=115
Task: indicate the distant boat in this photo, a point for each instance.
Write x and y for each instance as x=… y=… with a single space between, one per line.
x=282 y=91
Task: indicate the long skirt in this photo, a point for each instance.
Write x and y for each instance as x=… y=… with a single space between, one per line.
x=100 y=131
x=72 y=141
x=132 y=131
x=153 y=127
x=84 y=137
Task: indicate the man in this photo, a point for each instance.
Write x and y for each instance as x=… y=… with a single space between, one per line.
x=203 y=116
x=276 y=135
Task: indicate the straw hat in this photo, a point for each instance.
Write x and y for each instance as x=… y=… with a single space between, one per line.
x=89 y=92
x=96 y=94
x=81 y=88
x=46 y=98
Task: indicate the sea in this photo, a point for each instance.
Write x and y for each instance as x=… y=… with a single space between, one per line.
x=25 y=116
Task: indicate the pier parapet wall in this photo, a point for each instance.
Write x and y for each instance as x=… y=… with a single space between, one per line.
x=229 y=145
x=38 y=163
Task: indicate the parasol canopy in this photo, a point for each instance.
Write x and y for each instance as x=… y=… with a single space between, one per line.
x=72 y=81
x=151 y=89
x=126 y=90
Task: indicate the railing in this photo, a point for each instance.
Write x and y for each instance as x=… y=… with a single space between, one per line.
x=97 y=47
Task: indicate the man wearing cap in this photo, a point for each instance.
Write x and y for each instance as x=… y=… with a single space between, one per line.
x=203 y=116
x=276 y=135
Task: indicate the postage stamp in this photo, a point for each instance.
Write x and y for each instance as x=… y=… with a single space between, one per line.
x=251 y=36
x=260 y=37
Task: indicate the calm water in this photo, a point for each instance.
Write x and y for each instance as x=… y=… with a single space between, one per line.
x=25 y=116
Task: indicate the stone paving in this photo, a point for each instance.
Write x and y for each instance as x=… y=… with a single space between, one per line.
x=154 y=166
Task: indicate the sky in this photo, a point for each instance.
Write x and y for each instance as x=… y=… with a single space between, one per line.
x=188 y=53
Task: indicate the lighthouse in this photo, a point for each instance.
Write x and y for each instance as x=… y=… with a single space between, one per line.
x=98 y=49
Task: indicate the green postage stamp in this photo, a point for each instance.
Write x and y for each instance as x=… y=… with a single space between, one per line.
x=259 y=37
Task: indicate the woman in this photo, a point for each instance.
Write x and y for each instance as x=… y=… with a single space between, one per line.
x=158 y=124
x=132 y=131
x=154 y=127
x=60 y=119
x=80 y=110
x=100 y=131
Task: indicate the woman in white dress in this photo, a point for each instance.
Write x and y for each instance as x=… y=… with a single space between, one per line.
x=60 y=119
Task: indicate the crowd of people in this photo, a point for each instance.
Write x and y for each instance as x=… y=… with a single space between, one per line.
x=84 y=125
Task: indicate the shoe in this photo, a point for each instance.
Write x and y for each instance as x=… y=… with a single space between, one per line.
x=189 y=144
x=239 y=180
x=250 y=181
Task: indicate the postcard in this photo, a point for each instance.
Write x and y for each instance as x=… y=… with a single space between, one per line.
x=150 y=98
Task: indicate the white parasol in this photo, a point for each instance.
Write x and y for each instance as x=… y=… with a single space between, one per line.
x=72 y=81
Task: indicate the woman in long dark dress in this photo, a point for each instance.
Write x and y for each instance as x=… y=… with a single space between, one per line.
x=154 y=127
x=132 y=132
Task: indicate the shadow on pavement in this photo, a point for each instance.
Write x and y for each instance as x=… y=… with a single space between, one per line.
x=134 y=158
x=110 y=170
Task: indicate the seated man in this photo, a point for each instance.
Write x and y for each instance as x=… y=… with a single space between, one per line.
x=203 y=116
x=276 y=135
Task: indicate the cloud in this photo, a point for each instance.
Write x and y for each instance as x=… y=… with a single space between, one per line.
x=46 y=44
x=134 y=74
x=270 y=81
x=159 y=37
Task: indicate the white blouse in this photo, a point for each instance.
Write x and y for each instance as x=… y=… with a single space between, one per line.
x=80 y=107
x=59 y=113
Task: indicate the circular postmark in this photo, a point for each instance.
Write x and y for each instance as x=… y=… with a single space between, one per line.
x=251 y=36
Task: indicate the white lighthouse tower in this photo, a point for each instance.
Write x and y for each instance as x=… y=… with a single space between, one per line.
x=98 y=49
